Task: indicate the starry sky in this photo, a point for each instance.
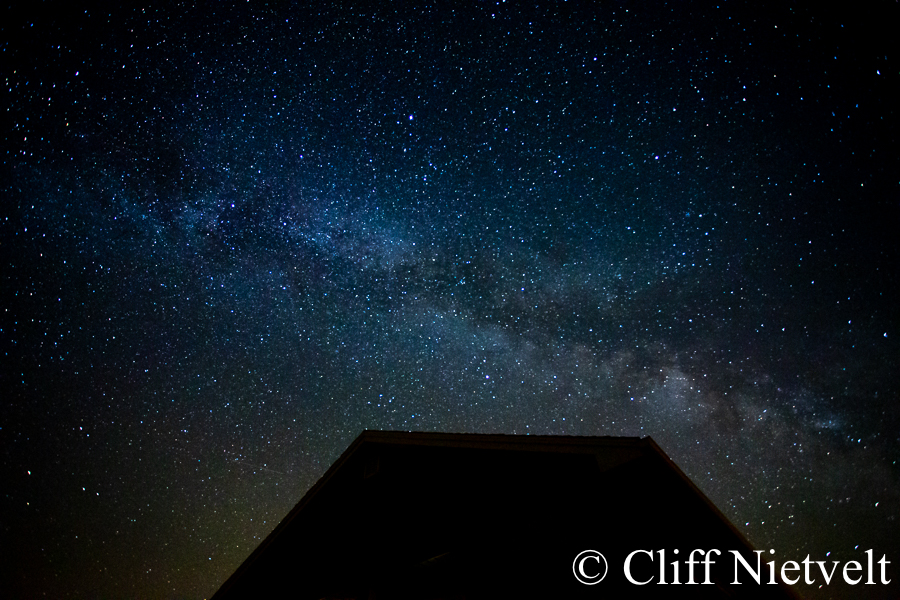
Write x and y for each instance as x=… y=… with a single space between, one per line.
x=234 y=235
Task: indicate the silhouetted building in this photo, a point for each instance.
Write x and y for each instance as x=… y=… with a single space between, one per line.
x=431 y=515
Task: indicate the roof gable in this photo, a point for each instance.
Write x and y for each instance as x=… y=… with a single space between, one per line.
x=402 y=511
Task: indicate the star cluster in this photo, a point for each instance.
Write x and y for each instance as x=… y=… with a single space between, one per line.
x=237 y=234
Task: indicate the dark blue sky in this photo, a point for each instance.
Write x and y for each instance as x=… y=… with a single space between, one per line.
x=235 y=236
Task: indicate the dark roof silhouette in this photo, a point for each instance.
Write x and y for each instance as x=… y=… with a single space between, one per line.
x=434 y=515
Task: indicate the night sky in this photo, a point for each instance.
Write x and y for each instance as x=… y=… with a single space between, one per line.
x=234 y=235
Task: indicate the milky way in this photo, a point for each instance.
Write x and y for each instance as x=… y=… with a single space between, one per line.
x=236 y=236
